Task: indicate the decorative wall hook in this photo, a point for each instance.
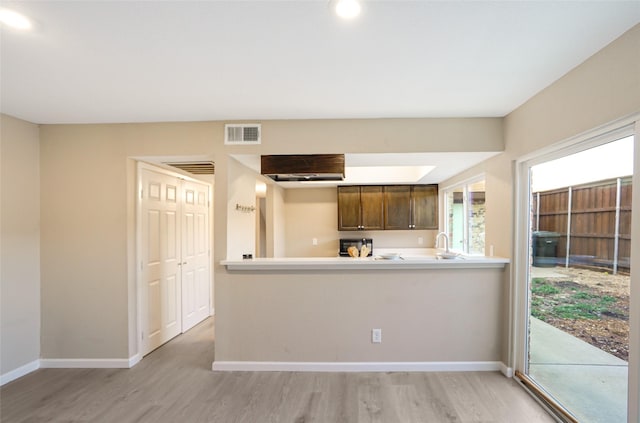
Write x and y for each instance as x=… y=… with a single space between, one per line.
x=245 y=209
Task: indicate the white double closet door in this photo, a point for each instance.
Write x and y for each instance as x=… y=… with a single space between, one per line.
x=174 y=253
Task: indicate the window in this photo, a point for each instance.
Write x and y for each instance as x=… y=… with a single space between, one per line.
x=464 y=217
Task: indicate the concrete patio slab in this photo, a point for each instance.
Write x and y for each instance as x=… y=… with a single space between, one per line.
x=550 y=345
x=589 y=382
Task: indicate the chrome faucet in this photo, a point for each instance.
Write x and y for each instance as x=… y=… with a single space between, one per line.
x=446 y=241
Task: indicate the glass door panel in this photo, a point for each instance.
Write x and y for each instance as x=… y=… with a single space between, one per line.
x=578 y=287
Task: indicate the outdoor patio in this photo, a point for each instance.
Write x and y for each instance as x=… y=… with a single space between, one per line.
x=589 y=382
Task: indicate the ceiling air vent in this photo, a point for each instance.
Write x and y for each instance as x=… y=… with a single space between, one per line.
x=196 y=168
x=242 y=133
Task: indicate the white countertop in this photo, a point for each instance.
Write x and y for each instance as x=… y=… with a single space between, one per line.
x=376 y=262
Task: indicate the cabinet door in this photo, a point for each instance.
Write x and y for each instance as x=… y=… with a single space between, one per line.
x=372 y=206
x=397 y=207
x=349 y=208
x=425 y=206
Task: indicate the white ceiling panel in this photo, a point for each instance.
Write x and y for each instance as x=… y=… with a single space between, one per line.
x=145 y=61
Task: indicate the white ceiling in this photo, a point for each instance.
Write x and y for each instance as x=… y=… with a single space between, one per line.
x=124 y=61
x=150 y=61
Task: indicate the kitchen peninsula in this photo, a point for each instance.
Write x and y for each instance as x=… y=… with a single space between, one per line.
x=372 y=263
x=318 y=314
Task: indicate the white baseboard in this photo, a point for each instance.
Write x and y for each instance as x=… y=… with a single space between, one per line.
x=76 y=363
x=281 y=366
x=507 y=371
x=134 y=360
x=19 y=372
x=87 y=363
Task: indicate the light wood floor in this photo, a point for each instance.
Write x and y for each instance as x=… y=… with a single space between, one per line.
x=175 y=384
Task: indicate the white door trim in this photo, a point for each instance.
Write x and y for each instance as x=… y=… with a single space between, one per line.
x=518 y=306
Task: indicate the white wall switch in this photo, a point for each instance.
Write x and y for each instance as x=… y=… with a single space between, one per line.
x=314 y=241
x=376 y=336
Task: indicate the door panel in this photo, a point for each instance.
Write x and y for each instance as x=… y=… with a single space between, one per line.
x=195 y=254
x=188 y=297
x=153 y=239
x=155 y=318
x=202 y=290
x=161 y=297
x=168 y=228
x=170 y=309
x=574 y=327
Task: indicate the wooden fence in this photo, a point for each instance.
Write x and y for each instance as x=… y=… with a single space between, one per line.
x=597 y=219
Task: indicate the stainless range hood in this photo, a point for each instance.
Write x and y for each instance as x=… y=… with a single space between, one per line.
x=303 y=167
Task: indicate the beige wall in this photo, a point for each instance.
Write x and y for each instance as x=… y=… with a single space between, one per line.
x=383 y=135
x=19 y=244
x=275 y=221
x=88 y=209
x=327 y=316
x=241 y=225
x=84 y=244
x=313 y=213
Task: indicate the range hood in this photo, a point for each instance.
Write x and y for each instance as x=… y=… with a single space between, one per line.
x=303 y=167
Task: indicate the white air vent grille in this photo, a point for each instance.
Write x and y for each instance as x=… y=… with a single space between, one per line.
x=244 y=133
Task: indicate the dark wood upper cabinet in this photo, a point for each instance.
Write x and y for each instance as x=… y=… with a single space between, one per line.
x=397 y=207
x=425 y=206
x=349 y=216
x=360 y=208
x=371 y=202
x=389 y=207
x=410 y=207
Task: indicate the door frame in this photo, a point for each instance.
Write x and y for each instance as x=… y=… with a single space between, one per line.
x=518 y=299
x=140 y=165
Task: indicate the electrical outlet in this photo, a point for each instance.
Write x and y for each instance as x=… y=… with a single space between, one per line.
x=376 y=336
x=314 y=241
x=420 y=240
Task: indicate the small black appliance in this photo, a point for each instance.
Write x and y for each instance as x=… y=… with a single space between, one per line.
x=345 y=243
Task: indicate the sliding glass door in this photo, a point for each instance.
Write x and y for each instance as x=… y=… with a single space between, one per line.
x=575 y=296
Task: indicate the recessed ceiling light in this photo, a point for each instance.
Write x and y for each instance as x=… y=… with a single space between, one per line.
x=14 y=19
x=347 y=9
